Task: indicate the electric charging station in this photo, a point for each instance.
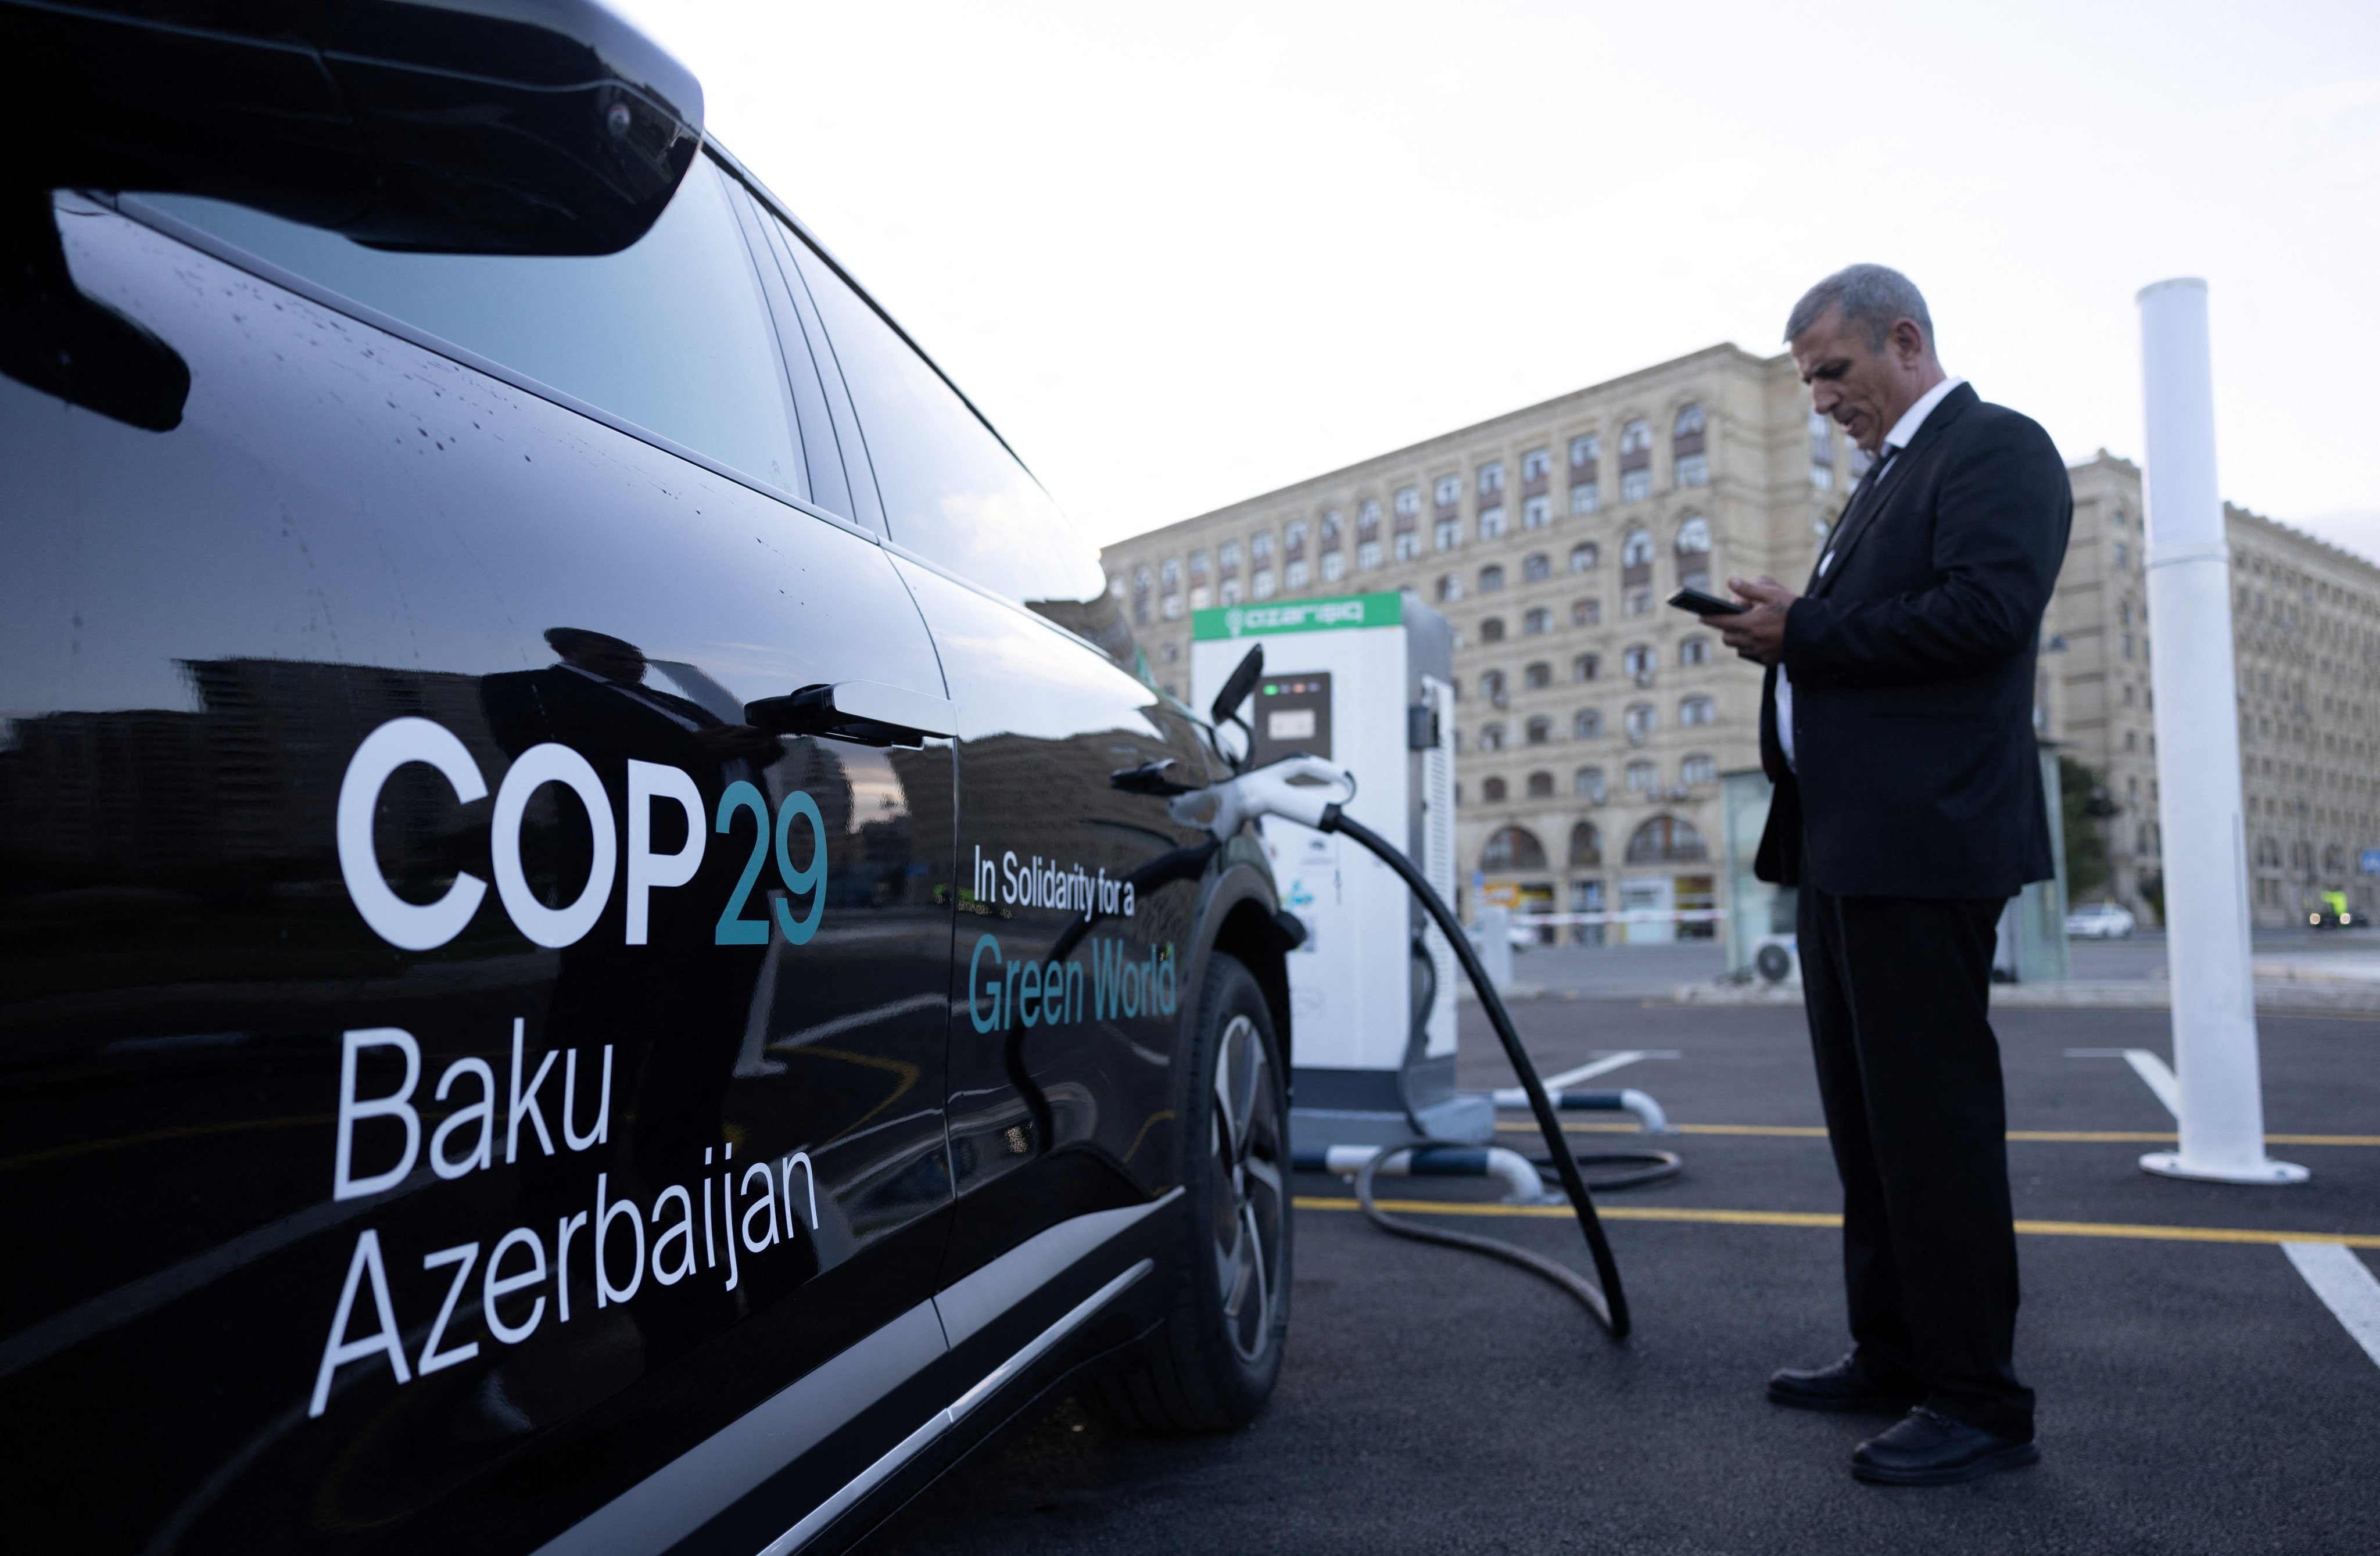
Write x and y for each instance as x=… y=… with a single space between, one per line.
x=1364 y=681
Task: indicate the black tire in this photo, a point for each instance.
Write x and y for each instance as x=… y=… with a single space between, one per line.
x=1212 y=1364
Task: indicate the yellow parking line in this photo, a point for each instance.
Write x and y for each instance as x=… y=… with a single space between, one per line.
x=2068 y=1136
x=1812 y=1219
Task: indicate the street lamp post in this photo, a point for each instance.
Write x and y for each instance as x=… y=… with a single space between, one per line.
x=2222 y=1106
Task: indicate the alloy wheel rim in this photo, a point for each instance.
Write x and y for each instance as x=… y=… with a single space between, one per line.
x=1244 y=1143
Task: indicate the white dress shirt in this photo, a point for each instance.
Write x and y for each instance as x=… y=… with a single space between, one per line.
x=1894 y=442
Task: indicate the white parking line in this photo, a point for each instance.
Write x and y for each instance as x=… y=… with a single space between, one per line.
x=2148 y=1065
x=1606 y=1064
x=2346 y=1285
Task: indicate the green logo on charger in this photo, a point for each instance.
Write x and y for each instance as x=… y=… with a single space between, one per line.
x=1224 y=621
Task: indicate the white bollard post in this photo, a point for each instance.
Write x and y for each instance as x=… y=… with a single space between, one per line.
x=1492 y=938
x=2222 y=1111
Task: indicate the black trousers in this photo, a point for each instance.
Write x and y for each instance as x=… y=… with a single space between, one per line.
x=1896 y=989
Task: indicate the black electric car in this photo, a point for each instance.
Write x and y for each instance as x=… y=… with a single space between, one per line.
x=594 y=955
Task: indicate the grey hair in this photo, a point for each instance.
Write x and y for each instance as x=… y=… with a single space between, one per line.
x=1870 y=295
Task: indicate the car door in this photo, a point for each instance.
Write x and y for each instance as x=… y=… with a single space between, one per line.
x=464 y=1085
x=1078 y=896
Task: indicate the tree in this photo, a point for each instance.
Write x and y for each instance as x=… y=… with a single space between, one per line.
x=2084 y=802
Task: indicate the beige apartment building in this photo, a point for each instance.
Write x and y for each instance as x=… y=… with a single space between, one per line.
x=2306 y=638
x=1594 y=722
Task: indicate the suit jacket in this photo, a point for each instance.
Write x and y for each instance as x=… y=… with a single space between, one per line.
x=1912 y=664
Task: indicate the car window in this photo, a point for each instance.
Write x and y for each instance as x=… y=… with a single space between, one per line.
x=951 y=492
x=669 y=334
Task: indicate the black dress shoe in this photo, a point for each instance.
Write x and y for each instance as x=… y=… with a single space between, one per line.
x=1849 y=1386
x=1928 y=1447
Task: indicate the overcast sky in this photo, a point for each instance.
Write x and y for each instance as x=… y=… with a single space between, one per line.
x=1182 y=255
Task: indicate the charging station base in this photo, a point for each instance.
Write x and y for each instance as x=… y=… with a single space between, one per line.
x=1368 y=1108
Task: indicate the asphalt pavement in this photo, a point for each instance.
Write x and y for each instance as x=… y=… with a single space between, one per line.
x=2195 y=1394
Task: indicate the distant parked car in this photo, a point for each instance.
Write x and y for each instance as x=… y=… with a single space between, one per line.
x=2334 y=913
x=2100 y=920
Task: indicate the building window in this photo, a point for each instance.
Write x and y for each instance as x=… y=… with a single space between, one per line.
x=1491 y=579
x=1694 y=650
x=1227 y=556
x=1492 y=479
x=1170 y=607
x=1448 y=491
x=1584 y=499
x=1588 y=783
x=1491 y=737
x=1537 y=512
x=1117 y=585
x=1586 y=724
x=1822 y=451
x=1228 y=592
x=1368 y=519
x=1450 y=587
x=1686 y=446
x=1172 y=655
x=1512 y=849
x=1198 y=566
x=1294 y=573
x=1586 y=845
x=1539 y=731
x=1635 y=462
x=1201 y=596
x=1408 y=546
x=1697 y=711
x=1536 y=568
x=1367 y=555
x=1169 y=574
x=1408 y=502
x=1585 y=450
x=1639 y=721
x=1333 y=526
x=1637 y=663
x=1584 y=666
x=1140 y=586
x=1491 y=685
x=1260 y=548
x=1292 y=540
x=1538 y=622
x=1585 y=613
x=1492 y=631
x=1260 y=584
x=1491 y=523
x=1449 y=533
x=1693 y=553
x=1541 y=786
x=2123 y=557
x=1537 y=677
x=1334 y=564
x=1492 y=789
x=1534 y=466
x=1636 y=557
x=1640 y=779
x=1666 y=840
x=1584 y=557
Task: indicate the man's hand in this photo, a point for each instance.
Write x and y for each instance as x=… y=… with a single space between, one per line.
x=1760 y=633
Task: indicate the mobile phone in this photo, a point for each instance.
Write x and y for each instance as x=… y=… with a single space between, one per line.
x=1704 y=604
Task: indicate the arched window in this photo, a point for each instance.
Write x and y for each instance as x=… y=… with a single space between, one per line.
x=1585 y=842
x=1511 y=849
x=1583 y=667
x=1491 y=685
x=1666 y=840
x=1637 y=552
x=1693 y=553
x=1586 y=723
x=1537 y=567
x=1539 y=731
x=1640 y=721
x=1694 y=650
x=1491 y=737
x=1537 y=621
x=1492 y=791
x=1541 y=786
x=1584 y=557
x=1492 y=631
x=1587 y=783
x=1697 y=770
x=1448 y=587
x=1491 y=579
x=1686 y=446
x=1697 y=711
x=1638 y=662
x=1537 y=677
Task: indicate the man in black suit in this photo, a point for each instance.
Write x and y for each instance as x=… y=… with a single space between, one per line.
x=1896 y=723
